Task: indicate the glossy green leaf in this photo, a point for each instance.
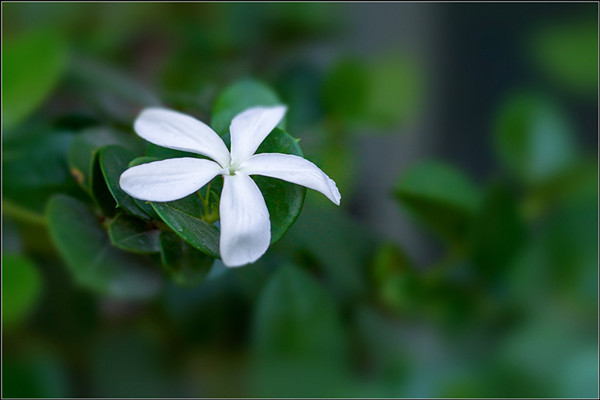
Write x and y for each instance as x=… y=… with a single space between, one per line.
x=184 y=264
x=114 y=160
x=534 y=138
x=132 y=234
x=94 y=262
x=21 y=286
x=184 y=216
x=99 y=189
x=439 y=196
x=237 y=98
x=89 y=140
x=34 y=168
x=32 y=64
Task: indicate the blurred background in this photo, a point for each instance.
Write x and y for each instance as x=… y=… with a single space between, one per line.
x=463 y=261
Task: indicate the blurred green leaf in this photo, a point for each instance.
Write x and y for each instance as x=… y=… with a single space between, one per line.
x=93 y=261
x=533 y=137
x=132 y=234
x=83 y=146
x=382 y=92
x=298 y=343
x=568 y=53
x=395 y=90
x=34 y=376
x=114 y=160
x=32 y=64
x=136 y=355
x=498 y=232
x=346 y=88
x=337 y=244
x=184 y=264
x=284 y=199
x=239 y=97
x=184 y=216
x=111 y=91
x=34 y=168
x=21 y=286
x=439 y=196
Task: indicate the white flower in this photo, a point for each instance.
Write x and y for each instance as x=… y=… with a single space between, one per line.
x=245 y=225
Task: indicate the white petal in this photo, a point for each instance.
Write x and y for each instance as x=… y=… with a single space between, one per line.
x=178 y=131
x=292 y=169
x=249 y=128
x=245 y=226
x=168 y=180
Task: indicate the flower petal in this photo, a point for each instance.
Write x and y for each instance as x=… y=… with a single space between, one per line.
x=249 y=128
x=292 y=169
x=178 y=131
x=245 y=226
x=168 y=180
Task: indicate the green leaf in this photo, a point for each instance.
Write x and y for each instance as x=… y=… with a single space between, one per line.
x=112 y=92
x=99 y=189
x=395 y=91
x=131 y=234
x=533 y=138
x=32 y=64
x=84 y=145
x=440 y=196
x=568 y=53
x=184 y=217
x=89 y=255
x=21 y=286
x=297 y=341
x=184 y=264
x=239 y=97
x=346 y=89
x=35 y=374
x=284 y=199
x=498 y=232
x=34 y=168
x=114 y=160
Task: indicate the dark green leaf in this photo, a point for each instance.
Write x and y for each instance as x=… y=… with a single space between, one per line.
x=184 y=216
x=21 y=286
x=132 y=234
x=34 y=168
x=346 y=90
x=31 y=66
x=114 y=160
x=237 y=98
x=186 y=265
x=498 y=232
x=533 y=138
x=114 y=93
x=91 y=258
x=439 y=196
x=88 y=141
x=99 y=189
x=38 y=374
x=296 y=326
